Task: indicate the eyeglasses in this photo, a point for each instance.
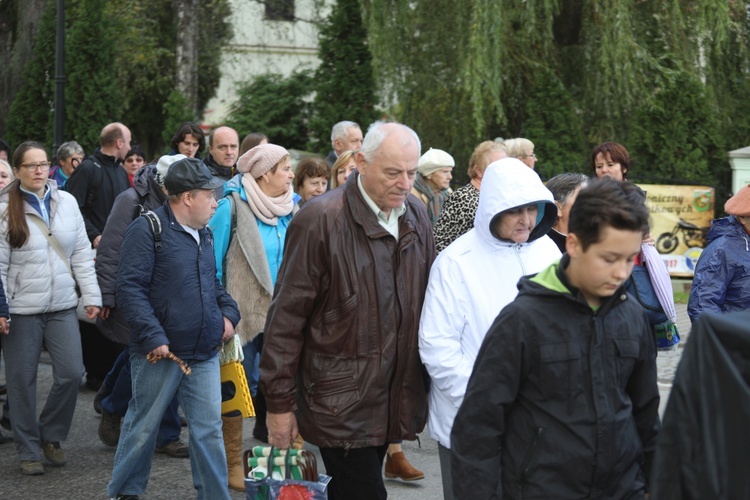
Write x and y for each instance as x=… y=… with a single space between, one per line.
x=32 y=167
x=532 y=155
x=76 y=161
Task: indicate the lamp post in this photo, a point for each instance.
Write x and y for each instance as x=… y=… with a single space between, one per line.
x=59 y=77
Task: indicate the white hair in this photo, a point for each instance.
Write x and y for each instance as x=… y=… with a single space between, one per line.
x=341 y=129
x=377 y=134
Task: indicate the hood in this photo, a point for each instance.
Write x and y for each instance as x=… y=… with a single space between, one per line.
x=144 y=182
x=726 y=226
x=234 y=185
x=509 y=183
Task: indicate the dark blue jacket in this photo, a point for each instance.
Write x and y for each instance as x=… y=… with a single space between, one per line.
x=172 y=296
x=4 y=311
x=722 y=276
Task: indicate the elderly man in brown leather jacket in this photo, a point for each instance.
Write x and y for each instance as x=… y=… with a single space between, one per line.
x=340 y=361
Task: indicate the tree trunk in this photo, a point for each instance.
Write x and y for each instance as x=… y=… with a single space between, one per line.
x=187 y=51
x=19 y=21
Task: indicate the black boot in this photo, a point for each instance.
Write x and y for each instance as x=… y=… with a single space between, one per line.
x=260 y=431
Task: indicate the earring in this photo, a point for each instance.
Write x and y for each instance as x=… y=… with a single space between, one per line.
x=266 y=180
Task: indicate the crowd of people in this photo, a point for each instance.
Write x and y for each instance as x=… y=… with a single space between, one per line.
x=369 y=301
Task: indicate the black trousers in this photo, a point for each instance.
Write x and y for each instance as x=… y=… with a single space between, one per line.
x=357 y=473
x=99 y=353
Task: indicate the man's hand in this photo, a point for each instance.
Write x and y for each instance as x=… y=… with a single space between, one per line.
x=104 y=313
x=282 y=429
x=228 y=330
x=96 y=241
x=162 y=350
x=4 y=326
x=92 y=312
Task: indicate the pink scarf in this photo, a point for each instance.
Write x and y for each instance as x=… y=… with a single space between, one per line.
x=265 y=208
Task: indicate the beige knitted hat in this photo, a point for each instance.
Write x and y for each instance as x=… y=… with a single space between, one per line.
x=260 y=159
x=434 y=160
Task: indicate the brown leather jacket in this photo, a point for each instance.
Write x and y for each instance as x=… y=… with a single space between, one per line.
x=340 y=343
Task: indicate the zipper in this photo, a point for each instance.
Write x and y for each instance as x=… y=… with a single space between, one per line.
x=530 y=455
x=517 y=251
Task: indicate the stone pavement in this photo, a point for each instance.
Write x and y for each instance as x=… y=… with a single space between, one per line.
x=90 y=462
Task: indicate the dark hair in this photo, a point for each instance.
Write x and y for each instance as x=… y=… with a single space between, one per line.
x=607 y=202
x=15 y=214
x=310 y=167
x=616 y=152
x=188 y=128
x=4 y=146
x=250 y=141
x=564 y=185
x=136 y=150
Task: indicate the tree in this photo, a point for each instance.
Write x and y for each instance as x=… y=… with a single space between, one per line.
x=275 y=105
x=93 y=96
x=30 y=115
x=557 y=129
x=344 y=83
x=466 y=70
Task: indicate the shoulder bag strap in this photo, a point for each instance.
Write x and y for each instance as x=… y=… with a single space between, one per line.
x=47 y=232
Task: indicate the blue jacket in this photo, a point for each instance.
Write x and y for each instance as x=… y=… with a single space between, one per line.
x=172 y=296
x=221 y=227
x=722 y=276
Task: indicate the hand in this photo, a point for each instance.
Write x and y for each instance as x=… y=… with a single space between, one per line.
x=104 y=313
x=649 y=240
x=92 y=312
x=162 y=350
x=96 y=241
x=282 y=429
x=4 y=326
x=228 y=330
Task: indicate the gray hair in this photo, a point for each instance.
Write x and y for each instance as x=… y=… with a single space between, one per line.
x=5 y=164
x=68 y=149
x=564 y=185
x=376 y=135
x=341 y=129
x=518 y=146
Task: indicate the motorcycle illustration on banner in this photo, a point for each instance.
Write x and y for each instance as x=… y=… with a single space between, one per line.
x=680 y=219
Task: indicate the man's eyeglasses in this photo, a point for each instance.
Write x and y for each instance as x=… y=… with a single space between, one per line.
x=32 y=167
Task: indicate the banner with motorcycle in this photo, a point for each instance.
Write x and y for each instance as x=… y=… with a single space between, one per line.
x=680 y=219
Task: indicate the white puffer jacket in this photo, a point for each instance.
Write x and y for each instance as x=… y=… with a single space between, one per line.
x=472 y=280
x=36 y=280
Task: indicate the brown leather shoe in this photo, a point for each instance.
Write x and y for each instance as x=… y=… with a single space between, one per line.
x=397 y=465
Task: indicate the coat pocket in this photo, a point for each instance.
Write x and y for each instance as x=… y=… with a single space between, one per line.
x=560 y=373
x=627 y=356
x=332 y=394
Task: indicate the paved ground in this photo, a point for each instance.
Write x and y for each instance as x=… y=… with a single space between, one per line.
x=90 y=462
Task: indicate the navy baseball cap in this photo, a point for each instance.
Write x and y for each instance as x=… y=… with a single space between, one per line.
x=188 y=174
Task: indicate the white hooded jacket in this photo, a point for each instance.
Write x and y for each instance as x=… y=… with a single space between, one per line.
x=472 y=280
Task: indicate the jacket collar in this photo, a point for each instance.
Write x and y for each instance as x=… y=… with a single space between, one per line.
x=216 y=169
x=365 y=217
x=607 y=304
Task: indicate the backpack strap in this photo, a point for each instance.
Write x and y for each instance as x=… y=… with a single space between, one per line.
x=155 y=224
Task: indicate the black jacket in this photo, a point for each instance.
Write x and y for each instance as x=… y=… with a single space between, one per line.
x=224 y=173
x=144 y=192
x=702 y=450
x=562 y=402
x=172 y=296
x=95 y=184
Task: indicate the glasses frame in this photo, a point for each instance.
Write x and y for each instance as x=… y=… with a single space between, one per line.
x=33 y=167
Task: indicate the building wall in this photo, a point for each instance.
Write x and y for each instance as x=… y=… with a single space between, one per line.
x=263 y=46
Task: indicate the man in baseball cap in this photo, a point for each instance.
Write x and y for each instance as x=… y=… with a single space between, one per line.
x=174 y=303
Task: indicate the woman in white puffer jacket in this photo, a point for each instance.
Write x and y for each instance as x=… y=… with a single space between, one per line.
x=473 y=279
x=42 y=299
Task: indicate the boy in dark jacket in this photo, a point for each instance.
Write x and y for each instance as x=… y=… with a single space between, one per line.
x=563 y=401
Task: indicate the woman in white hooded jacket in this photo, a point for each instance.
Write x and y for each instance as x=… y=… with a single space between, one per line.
x=41 y=294
x=473 y=279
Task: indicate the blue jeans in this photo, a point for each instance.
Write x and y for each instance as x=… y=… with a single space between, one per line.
x=154 y=386
x=251 y=352
x=116 y=403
